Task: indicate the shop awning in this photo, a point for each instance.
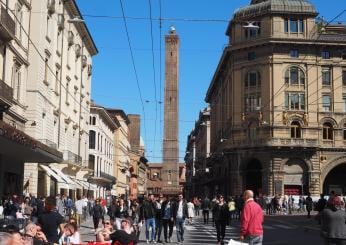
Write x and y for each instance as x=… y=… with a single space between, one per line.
x=51 y=173
x=82 y=184
x=17 y=144
x=72 y=185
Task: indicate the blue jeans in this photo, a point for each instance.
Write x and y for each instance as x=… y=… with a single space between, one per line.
x=254 y=240
x=148 y=223
x=179 y=223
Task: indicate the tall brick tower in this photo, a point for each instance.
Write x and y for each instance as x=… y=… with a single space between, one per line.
x=170 y=170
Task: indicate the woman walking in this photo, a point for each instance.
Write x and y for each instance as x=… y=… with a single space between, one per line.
x=221 y=215
x=190 y=211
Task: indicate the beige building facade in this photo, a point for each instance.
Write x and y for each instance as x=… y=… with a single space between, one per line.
x=16 y=146
x=58 y=95
x=277 y=99
x=121 y=152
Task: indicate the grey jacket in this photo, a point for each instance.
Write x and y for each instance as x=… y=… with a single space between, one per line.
x=333 y=223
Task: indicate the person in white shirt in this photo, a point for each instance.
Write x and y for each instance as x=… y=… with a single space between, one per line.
x=80 y=205
x=179 y=215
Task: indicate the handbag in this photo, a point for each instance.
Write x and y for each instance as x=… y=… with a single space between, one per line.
x=233 y=242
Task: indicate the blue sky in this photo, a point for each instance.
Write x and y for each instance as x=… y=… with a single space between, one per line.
x=114 y=81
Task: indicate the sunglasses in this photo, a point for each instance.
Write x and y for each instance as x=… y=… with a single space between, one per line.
x=106 y=223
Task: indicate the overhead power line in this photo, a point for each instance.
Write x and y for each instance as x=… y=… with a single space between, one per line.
x=134 y=65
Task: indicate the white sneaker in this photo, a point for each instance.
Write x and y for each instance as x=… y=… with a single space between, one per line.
x=147 y=241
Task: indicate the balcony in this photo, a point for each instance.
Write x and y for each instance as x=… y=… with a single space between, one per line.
x=73 y=158
x=276 y=142
x=108 y=176
x=49 y=143
x=6 y=95
x=7 y=26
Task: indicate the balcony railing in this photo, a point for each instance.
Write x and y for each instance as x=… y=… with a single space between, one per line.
x=6 y=95
x=7 y=26
x=292 y=142
x=49 y=143
x=72 y=157
x=108 y=176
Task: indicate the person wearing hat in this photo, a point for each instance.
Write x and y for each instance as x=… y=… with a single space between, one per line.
x=333 y=220
x=125 y=236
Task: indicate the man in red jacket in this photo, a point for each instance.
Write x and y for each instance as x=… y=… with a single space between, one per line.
x=251 y=230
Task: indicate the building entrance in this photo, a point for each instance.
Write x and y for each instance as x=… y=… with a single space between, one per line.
x=295 y=179
x=253 y=176
x=335 y=180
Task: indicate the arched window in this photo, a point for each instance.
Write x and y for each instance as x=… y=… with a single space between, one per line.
x=296 y=131
x=327 y=131
x=94 y=121
x=294 y=76
x=92 y=139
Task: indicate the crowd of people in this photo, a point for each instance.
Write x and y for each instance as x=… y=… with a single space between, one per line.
x=56 y=220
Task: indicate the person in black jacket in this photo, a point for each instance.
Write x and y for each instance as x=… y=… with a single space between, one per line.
x=148 y=216
x=158 y=220
x=221 y=214
x=167 y=219
x=179 y=216
x=121 y=211
x=97 y=213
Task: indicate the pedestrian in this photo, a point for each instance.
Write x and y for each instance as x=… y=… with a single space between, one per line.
x=205 y=209
x=148 y=217
x=231 y=209
x=60 y=205
x=251 y=230
x=221 y=216
x=158 y=218
x=68 y=206
x=33 y=236
x=102 y=234
x=167 y=219
x=320 y=205
x=333 y=220
x=309 y=204
x=190 y=211
x=121 y=211
x=97 y=213
x=179 y=215
x=50 y=220
x=80 y=204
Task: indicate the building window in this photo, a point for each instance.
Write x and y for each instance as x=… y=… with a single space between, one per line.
x=343 y=55
x=326 y=102
x=57 y=80
x=253 y=79
x=344 y=101
x=251 y=32
x=48 y=27
x=94 y=121
x=295 y=101
x=46 y=67
x=327 y=131
x=19 y=21
x=67 y=92
x=16 y=82
x=326 y=77
x=296 y=131
x=92 y=139
x=251 y=56
x=344 y=78
x=252 y=102
x=294 y=76
x=293 y=25
x=344 y=131
x=294 y=53
x=325 y=54
x=91 y=164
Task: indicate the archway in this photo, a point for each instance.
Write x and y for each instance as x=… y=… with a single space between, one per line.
x=295 y=178
x=335 y=180
x=253 y=176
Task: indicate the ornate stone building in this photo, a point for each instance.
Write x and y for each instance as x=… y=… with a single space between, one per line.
x=278 y=102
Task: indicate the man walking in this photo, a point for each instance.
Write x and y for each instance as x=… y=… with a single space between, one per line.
x=205 y=209
x=251 y=230
x=179 y=215
x=148 y=216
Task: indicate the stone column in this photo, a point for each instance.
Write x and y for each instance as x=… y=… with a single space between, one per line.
x=30 y=180
x=314 y=183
